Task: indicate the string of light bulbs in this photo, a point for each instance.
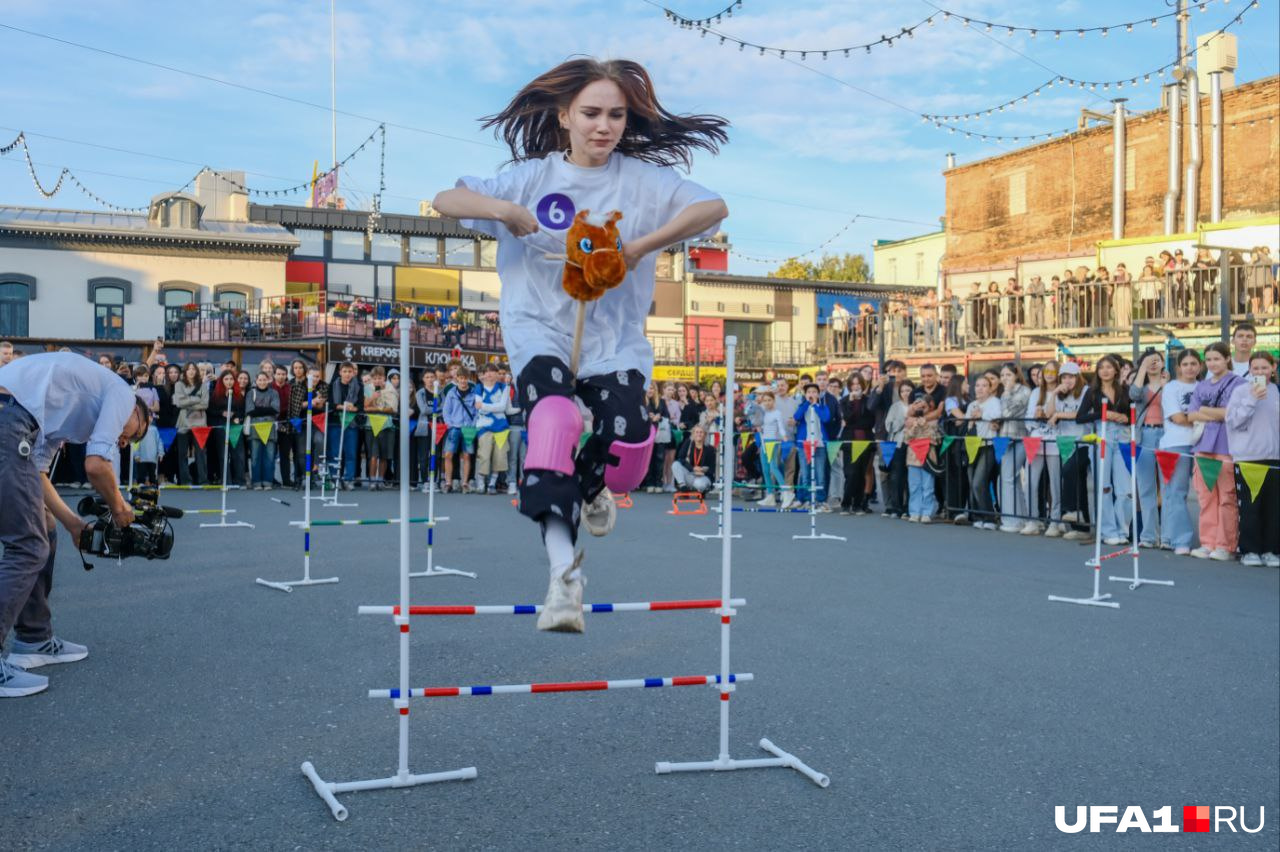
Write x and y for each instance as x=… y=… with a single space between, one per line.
x=726 y=12
x=824 y=244
x=1092 y=85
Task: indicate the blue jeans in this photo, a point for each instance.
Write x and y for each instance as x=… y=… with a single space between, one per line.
x=1116 y=512
x=1148 y=482
x=805 y=489
x=262 y=464
x=1176 y=528
x=920 y=497
x=771 y=471
x=349 y=438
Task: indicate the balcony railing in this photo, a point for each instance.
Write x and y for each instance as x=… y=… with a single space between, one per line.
x=709 y=351
x=317 y=316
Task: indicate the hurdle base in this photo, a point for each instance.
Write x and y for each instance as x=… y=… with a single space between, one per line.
x=330 y=503
x=818 y=537
x=223 y=523
x=1100 y=600
x=1136 y=582
x=328 y=790
x=287 y=585
x=437 y=571
x=783 y=759
x=715 y=537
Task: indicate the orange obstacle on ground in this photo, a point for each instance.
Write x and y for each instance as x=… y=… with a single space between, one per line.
x=623 y=500
x=688 y=503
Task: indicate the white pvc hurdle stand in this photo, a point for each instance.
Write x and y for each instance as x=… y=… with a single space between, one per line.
x=1136 y=580
x=723 y=762
x=324 y=456
x=307 y=579
x=333 y=502
x=814 y=535
x=226 y=462
x=725 y=427
x=1097 y=599
x=432 y=569
x=328 y=790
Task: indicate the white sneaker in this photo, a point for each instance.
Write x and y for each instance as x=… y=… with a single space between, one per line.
x=768 y=502
x=600 y=514
x=15 y=681
x=1253 y=560
x=1220 y=554
x=1181 y=551
x=787 y=500
x=1115 y=541
x=1010 y=528
x=1032 y=528
x=562 y=610
x=424 y=488
x=511 y=489
x=1055 y=531
x=1271 y=560
x=1075 y=535
x=1200 y=553
x=925 y=519
x=32 y=655
x=961 y=518
x=1071 y=517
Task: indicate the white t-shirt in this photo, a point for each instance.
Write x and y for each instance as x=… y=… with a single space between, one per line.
x=990 y=410
x=537 y=314
x=1240 y=368
x=1175 y=398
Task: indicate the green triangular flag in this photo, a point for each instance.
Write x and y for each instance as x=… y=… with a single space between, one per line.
x=233 y=434
x=678 y=434
x=1209 y=470
x=583 y=438
x=833 y=450
x=1066 y=446
x=946 y=443
x=347 y=417
x=469 y=434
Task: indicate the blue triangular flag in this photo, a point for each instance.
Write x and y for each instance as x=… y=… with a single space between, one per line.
x=786 y=448
x=999 y=445
x=413 y=425
x=887 y=449
x=167 y=434
x=1124 y=453
x=295 y=422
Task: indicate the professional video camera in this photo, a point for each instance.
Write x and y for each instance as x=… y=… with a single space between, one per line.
x=150 y=535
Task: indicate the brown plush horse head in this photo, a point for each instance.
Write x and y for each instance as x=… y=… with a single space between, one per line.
x=595 y=263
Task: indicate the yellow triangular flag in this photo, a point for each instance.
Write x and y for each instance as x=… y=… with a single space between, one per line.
x=377 y=422
x=500 y=438
x=770 y=449
x=972 y=444
x=746 y=439
x=857 y=448
x=263 y=430
x=1254 y=475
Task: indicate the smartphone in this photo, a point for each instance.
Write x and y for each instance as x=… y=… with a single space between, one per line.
x=1259 y=381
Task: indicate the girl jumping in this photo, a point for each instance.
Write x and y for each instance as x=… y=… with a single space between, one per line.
x=586 y=135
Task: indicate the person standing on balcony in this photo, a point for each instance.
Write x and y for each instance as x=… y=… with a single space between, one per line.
x=1016 y=308
x=1035 y=296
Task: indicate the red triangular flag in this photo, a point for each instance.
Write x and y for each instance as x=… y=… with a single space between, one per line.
x=808 y=451
x=1032 y=446
x=441 y=431
x=1168 y=462
x=318 y=421
x=920 y=446
x=201 y=434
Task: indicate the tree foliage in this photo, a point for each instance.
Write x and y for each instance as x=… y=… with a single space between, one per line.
x=830 y=267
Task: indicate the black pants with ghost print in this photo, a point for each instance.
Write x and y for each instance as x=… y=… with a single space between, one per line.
x=616 y=403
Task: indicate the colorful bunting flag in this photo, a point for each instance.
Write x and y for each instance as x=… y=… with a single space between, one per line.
x=857 y=448
x=1209 y=470
x=833 y=450
x=347 y=417
x=678 y=435
x=1001 y=446
x=201 y=434
x=1032 y=446
x=887 y=449
x=972 y=444
x=469 y=434
x=746 y=439
x=263 y=431
x=295 y=422
x=1128 y=453
x=947 y=441
x=167 y=434
x=377 y=422
x=770 y=449
x=1254 y=475
x=500 y=438
x=1168 y=463
x=808 y=452
x=413 y=425
x=233 y=434
x=441 y=430
x=920 y=448
x=1067 y=446
x=318 y=421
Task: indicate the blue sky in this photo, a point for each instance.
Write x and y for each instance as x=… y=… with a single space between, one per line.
x=806 y=151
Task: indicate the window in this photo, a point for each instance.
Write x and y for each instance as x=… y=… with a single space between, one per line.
x=489 y=253
x=459 y=252
x=386 y=247
x=108 y=312
x=719 y=307
x=1017 y=193
x=173 y=299
x=893 y=270
x=16 y=293
x=312 y=242
x=424 y=250
x=228 y=298
x=348 y=245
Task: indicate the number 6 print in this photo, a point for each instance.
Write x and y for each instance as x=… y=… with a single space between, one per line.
x=555 y=211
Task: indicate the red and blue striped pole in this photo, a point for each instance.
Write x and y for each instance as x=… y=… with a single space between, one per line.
x=535 y=609
x=547 y=688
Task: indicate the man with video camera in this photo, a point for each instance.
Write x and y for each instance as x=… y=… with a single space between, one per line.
x=47 y=400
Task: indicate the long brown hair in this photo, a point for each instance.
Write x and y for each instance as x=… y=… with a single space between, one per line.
x=530 y=124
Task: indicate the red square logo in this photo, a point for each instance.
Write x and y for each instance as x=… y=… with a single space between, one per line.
x=1196 y=818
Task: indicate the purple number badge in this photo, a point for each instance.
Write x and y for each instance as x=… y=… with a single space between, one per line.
x=555 y=211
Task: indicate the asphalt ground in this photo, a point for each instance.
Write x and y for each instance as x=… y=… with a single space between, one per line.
x=921 y=668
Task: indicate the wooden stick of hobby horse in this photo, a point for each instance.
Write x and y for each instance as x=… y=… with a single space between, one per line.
x=577 y=328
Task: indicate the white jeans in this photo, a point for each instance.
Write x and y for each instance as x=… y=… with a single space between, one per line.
x=687 y=481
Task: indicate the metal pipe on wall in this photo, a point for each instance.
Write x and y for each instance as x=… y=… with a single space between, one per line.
x=1118 y=170
x=1191 y=194
x=1173 y=95
x=1215 y=146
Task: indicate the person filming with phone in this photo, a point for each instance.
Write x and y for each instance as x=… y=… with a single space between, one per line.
x=47 y=400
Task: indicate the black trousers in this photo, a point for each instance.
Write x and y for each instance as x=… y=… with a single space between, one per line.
x=287 y=454
x=1259 y=529
x=980 y=475
x=895 y=482
x=855 y=479
x=616 y=403
x=1075 y=487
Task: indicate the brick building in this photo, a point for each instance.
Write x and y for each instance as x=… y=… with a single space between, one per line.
x=1052 y=202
